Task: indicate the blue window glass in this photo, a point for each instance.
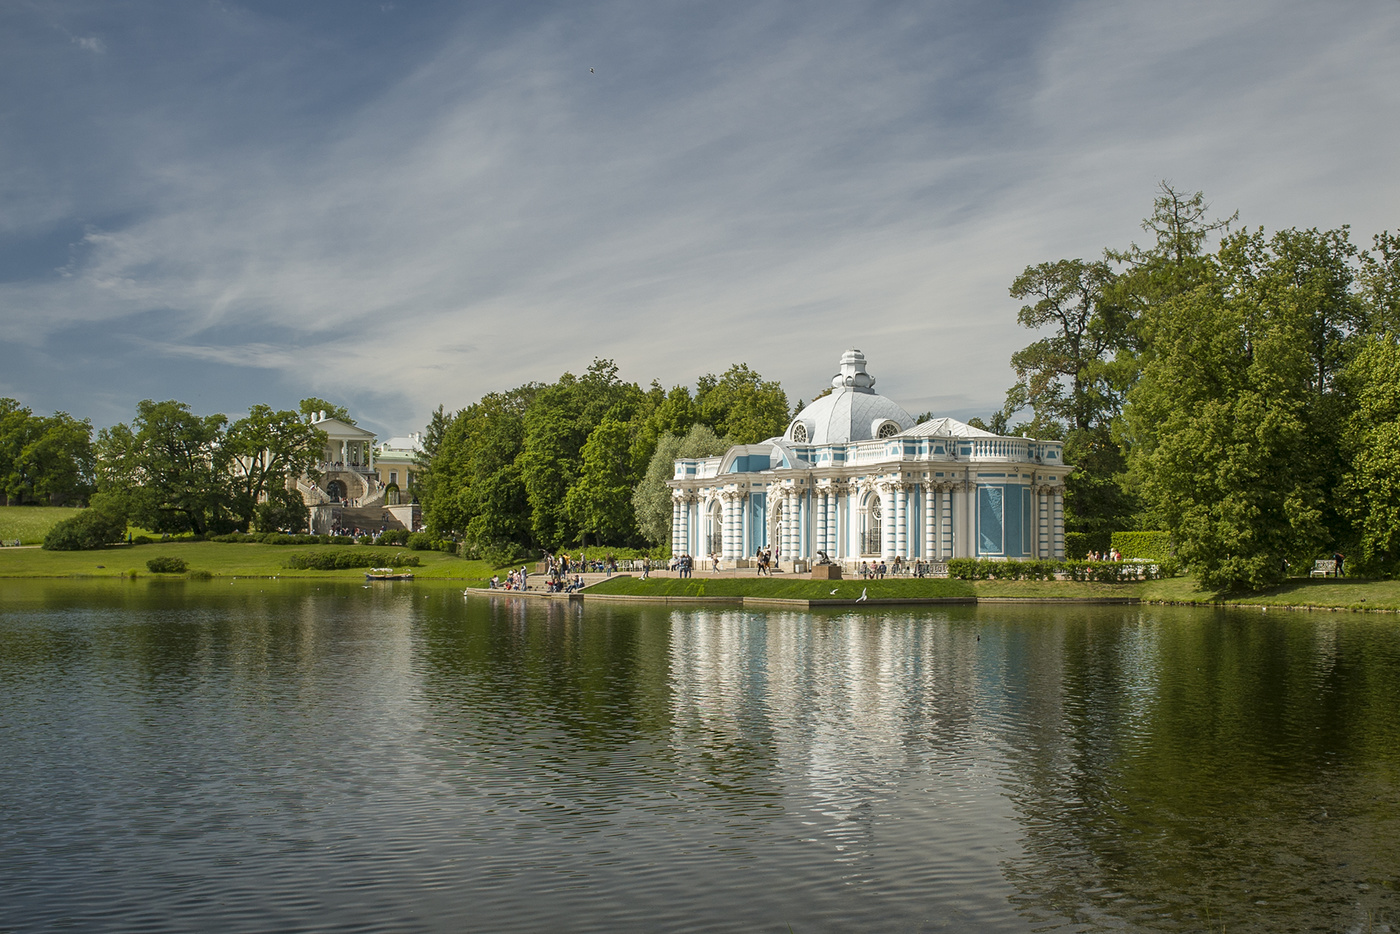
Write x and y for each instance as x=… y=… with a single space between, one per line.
x=990 y=509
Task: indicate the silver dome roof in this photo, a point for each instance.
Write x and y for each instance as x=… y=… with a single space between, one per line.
x=852 y=411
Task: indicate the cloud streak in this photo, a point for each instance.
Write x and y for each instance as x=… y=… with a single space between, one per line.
x=768 y=184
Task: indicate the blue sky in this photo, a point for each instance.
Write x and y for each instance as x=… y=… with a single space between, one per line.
x=400 y=204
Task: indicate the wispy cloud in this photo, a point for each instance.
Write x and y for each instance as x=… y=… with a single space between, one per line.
x=768 y=184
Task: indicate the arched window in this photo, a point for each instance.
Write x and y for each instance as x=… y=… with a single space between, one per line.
x=799 y=433
x=870 y=519
x=336 y=490
x=391 y=494
x=887 y=430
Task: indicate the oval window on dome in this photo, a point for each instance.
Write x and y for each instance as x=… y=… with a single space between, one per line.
x=887 y=430
x=799 y=433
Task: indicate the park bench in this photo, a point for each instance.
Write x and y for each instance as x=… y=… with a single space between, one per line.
x=1324 y=568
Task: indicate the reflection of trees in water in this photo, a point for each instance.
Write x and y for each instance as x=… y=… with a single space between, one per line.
x=1237 y=768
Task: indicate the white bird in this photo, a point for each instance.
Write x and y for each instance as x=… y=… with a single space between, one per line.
x=862 y=595
x=833 y=591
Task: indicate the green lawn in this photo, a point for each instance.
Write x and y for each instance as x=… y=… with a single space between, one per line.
x=30 y=524
x=783 y=589
x=218 y=558
x=1347 y=593
x=1323 y=594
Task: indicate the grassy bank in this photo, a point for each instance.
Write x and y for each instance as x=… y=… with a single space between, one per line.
x=1348 y=593
x=787 y=589
x=218 y=558
x=29 y=524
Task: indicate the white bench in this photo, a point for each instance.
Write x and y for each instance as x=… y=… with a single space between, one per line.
x=1324 y=568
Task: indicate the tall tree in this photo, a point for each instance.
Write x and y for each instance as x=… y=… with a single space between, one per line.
x=269 y=450
x=1221 y=420
x=742 y=406
x=170 y=467
x=600 y=502
x=1380 y=282
x=1370 y=490
x=651 y=500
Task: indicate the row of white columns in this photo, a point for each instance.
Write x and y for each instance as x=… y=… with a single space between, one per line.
x=948 y=521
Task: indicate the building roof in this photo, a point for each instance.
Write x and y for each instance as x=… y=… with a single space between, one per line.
x=852 y=411
x=947 y=428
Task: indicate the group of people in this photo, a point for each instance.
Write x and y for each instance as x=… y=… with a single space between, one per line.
x=563 y=564
x=1111 y=555
x=683 y=565
x=763 y=559
x=877 y=570
x=515 y=580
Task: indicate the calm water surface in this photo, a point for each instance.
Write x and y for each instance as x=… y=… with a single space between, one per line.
x=257 y=756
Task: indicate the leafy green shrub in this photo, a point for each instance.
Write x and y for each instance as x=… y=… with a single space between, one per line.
x=164 y=564
x=1146 y=546
x=421 y=541
x=201 y=575
x=143 y=540
x=394 y=537
x=89 y=529
x=344 y=560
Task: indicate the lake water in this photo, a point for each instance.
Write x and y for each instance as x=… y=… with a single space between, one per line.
x=258 y=756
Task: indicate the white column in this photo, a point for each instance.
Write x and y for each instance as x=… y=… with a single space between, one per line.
x=888 y=534
x=787 y=524
x=901 y=510
x=823 y=499
x=930 y=522
x=681 y=544
x=945 y=521
x=1057 y=523
x=676 y=525
x=1042 y=523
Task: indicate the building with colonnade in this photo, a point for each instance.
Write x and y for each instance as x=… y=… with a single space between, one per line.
x=854 y=477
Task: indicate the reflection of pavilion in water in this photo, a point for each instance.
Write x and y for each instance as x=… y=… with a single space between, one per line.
x=830 y=708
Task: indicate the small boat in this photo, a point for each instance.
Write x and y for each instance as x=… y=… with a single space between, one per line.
x=387 y=574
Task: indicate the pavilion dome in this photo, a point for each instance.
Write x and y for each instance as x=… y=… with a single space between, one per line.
x=852 y=411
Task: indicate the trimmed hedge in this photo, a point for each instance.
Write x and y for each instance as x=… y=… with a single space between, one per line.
x=1145 y=546
x=283 y=538
x=1101 y=572
x=164 y=564
x=1079 y=544
x=352 y=558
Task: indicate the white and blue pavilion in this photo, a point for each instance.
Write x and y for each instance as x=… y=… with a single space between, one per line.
x=854 y=477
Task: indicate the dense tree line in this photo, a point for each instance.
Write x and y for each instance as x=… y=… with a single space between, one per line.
x=1243 y=397
x=583 y=459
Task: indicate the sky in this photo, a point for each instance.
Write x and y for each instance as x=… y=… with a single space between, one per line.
x=399 y=205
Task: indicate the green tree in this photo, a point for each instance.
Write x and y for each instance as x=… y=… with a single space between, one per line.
x=742 y=406
x=600 y=502
x=651 y=500
x=45 y=460
x=269 y=450
x=1380 y=281
x=170 y=466
x=1222 y=436
x=59 y=462
x=309 y=408
x=1370 y=490
x=1074 y=383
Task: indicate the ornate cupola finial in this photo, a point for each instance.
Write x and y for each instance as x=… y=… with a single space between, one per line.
x=853 y=373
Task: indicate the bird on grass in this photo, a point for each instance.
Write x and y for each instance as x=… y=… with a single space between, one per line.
x=861 y=598
x=835 y=591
